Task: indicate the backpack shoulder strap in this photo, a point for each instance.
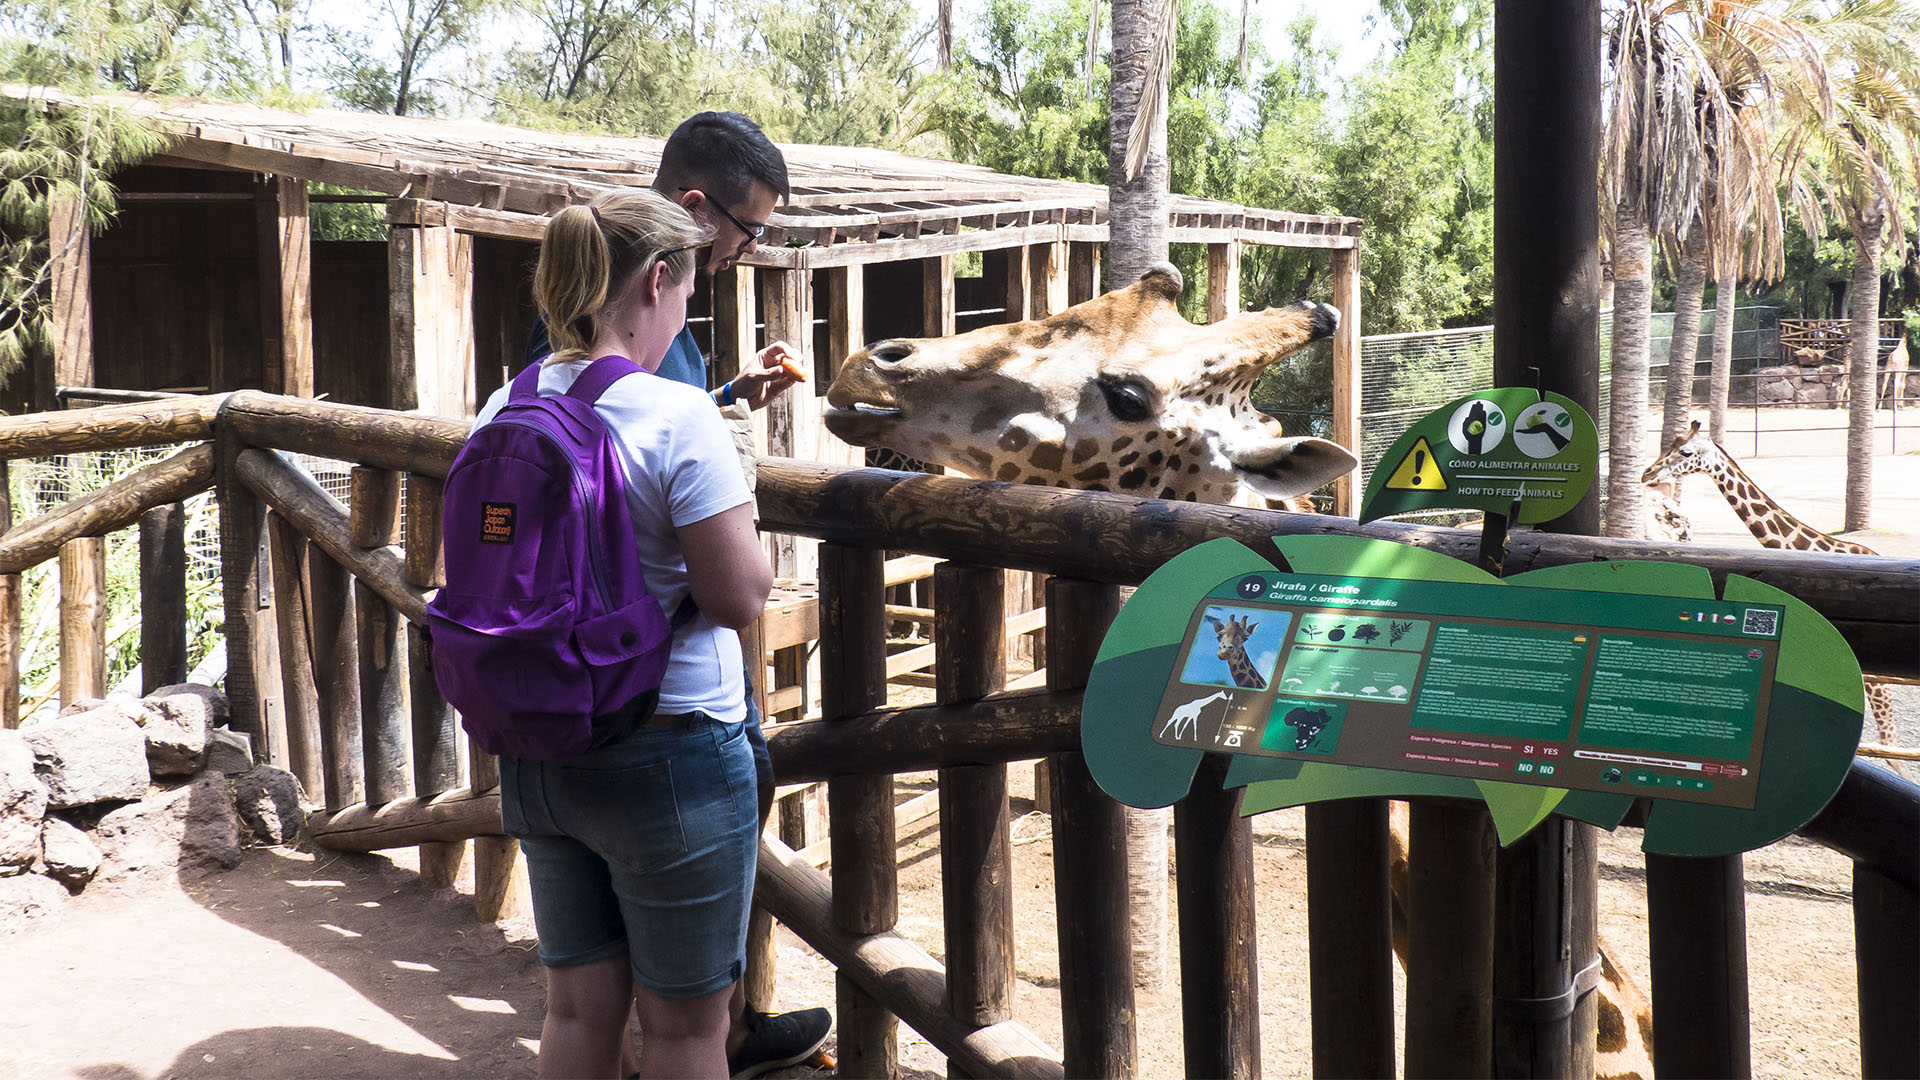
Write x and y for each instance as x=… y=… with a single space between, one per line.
x=526 y=385
x=599 y=375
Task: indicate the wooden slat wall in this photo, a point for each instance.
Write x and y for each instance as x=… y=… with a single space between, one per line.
x=351 y=331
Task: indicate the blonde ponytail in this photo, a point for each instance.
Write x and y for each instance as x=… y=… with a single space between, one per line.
x=589 y=252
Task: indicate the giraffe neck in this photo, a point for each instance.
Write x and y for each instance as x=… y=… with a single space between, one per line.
x=1766 y=520
x=1243 y=670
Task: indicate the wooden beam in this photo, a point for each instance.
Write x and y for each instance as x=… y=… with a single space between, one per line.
x=1016 y=282
x=384 y=716
x=1346 y=372
x=792 y=419
x=936 y=296
x=1049 y=279
x=83 y=619
x=321 y=517
x=1350 y=938
x=447 y=817
x=306 y=758
x=253 y=662
x=846 y=319
x=109 y=509
x=1010 y=726
x=109 y=427
x=1083 y=272
x=286 y=284
x=430 y=278
x=373 y=507
x=163 y=594
x=70 y=259
x=1219 y=983
x=1223 y=281
x=336 y=673
x=378 y=437
x=10 y=594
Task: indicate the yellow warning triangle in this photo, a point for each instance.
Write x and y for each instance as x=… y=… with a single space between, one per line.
x=1418 y=471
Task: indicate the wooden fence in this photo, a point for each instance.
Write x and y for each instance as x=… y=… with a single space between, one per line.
x=323 y=605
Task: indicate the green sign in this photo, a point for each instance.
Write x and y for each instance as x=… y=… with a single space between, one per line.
x=1374 y=669
x=1485 y=450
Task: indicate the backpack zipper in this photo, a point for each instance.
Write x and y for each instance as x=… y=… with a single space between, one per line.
x=586 y=498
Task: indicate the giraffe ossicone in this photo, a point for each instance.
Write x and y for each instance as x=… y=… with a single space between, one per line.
x=1119 y=393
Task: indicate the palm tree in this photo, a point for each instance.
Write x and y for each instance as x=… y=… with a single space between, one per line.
x=1863 y=166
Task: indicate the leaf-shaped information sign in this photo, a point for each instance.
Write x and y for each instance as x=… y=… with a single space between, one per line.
x=1370 y=668
x=1485 y=450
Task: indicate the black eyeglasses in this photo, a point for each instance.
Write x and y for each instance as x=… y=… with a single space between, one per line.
x=754 y=232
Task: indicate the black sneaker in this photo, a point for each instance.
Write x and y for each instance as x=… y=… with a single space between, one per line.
x=777 y=1040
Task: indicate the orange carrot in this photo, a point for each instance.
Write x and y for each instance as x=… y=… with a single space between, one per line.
x=790 y=367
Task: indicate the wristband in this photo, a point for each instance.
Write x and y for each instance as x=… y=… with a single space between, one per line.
x=726 y=394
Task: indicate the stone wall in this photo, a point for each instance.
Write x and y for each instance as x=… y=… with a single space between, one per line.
x=114 y=790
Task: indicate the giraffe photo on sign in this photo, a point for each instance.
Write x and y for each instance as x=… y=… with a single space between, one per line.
x=1235 y=646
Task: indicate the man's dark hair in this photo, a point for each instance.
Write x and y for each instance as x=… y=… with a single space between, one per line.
x=722 y=154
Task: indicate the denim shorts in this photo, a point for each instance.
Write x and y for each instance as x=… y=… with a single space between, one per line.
x=644 y=846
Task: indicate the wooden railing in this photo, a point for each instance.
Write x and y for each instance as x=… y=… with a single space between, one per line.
x=323 y=601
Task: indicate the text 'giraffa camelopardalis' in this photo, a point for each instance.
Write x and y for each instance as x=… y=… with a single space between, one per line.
x=1115 y=394
x=1696 y=452
x=1233 y=635
x=1122 y=394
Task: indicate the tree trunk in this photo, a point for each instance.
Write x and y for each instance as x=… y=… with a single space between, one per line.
x=1726 y=292
x=1632 y=305
x=1137 y=239
x=1683 y=346
x=1863 y=353
x=1137 y=209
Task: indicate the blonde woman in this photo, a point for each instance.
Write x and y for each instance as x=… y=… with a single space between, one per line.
x=640 y=851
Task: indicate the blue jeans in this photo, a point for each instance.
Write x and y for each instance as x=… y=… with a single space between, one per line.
x=645 y=845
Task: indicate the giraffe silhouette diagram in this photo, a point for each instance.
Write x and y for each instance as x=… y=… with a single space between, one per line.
x=1185 y=721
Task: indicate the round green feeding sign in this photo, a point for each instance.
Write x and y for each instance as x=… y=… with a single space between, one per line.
x=1485 y=450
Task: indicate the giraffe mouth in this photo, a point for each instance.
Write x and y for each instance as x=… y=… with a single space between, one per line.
x=858 y=421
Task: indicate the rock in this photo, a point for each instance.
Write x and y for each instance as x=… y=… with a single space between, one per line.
x=23 y=803
x=1776 y=391
x=89 y=757
x=204 y=702
x=191 y=826
x=71 y=858
x=229 y=753
x=269 y=803
x=177 y=728
x=27 y=898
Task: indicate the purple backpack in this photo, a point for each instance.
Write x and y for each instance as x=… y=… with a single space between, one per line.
x=545 y=621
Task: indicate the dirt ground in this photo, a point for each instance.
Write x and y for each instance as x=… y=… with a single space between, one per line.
x=302 y=964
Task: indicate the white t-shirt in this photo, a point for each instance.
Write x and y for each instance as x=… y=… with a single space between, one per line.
x=681 y=468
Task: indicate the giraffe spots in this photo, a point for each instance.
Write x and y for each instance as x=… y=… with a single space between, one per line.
x=1150 y=436
x=984 y=419
x=1013 y=439
x=980 y=459
x=1129 y=458
x=1173 y=463
x=1097 y=472
x=1193 y=469
x=940 y=438
x=1008 y=472
x=1122 y=442
x=1084 y=449
x=1063 y=327
x=1133 y=478
x=1191 y=498
x=1168 y=493
x=1155 y=458
x=1048 y=456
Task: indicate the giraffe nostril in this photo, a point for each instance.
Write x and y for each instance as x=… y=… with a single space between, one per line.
x=887 y=353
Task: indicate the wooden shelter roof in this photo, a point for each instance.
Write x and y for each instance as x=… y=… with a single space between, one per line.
x=862 y=205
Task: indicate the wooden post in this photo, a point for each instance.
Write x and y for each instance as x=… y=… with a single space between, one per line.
x=163 y=597
x=1886 y=933
x=373 y=499
x=430 y=275
x=976 y=854
x=1083 y=272
x=306 y=757
x=286 y=284
x=736 y=335
x=792 y=418
x=846 y=318
x=1223 y=282
x=83 y=619
x=1346 y=369
x=1697 y=937
x=254 y=704
x=71 y=271
x=1219 y=980
x=1089 y=859
x=1016 y=281
x=1049 y=278
x=10 y=591
x=853 y=679
x=1449 y=940
x=936 y=296
x=1539 y=905
x=372 y=513
x=436 y=730
x=336 y=675
x=1350 y=938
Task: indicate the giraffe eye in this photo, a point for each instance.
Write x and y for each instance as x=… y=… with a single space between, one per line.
x=1128 y=401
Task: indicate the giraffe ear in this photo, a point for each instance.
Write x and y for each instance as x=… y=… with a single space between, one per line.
x=1285 y=467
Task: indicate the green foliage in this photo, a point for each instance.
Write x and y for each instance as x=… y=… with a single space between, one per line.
x=57 y=147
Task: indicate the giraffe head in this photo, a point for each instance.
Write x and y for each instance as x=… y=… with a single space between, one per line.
x=1232 y=635
x=1694 y=452
x=1116 y=394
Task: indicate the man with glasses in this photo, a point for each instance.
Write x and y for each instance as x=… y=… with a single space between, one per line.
x=721 y=168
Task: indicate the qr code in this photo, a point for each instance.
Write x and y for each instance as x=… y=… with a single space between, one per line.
x=1762 y=622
